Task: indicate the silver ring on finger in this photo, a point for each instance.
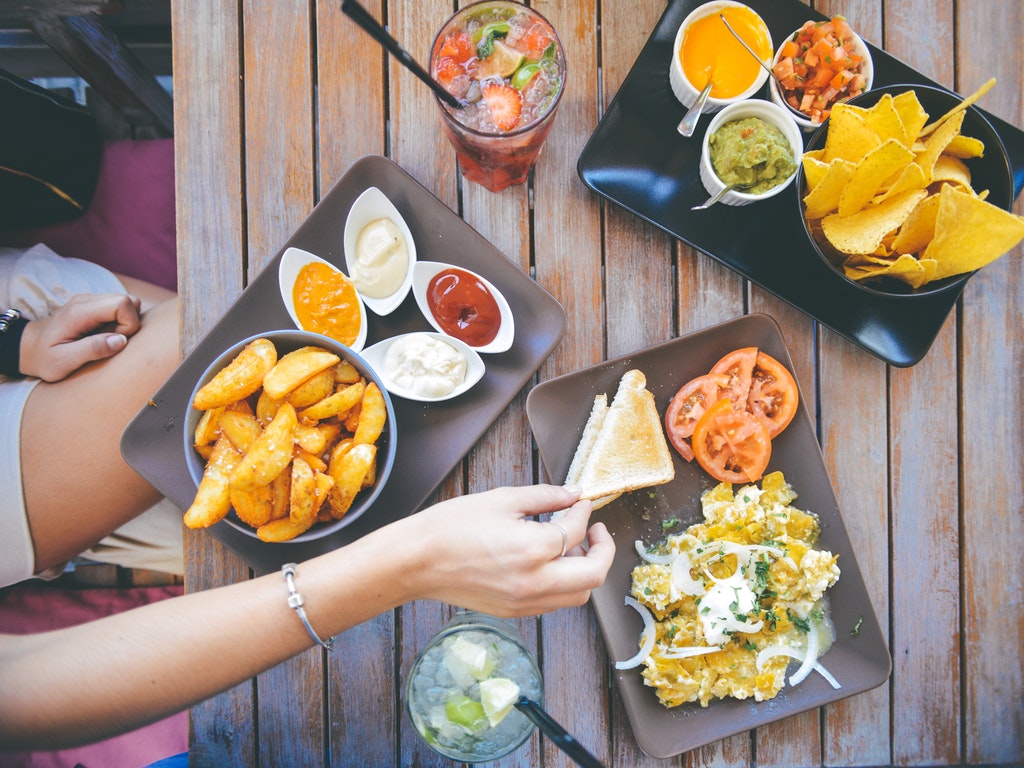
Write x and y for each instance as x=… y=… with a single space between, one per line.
x=565 y=537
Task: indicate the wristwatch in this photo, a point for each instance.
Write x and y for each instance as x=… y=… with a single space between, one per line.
x=11 y=326
x=8 y=317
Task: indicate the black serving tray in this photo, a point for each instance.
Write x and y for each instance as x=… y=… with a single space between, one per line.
x=636 y=159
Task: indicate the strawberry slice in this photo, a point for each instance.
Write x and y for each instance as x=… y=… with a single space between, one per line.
x=447 y=69
x=504 y=103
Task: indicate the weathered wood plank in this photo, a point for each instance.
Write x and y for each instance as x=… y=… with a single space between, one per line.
x=211 y=238
x=992 y=445
x=856 y=730
x=924 y=484
x=279 y=193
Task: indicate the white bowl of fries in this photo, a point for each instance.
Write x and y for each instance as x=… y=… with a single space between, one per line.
x=289 y=436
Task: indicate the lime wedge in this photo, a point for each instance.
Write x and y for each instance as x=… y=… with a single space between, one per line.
x=502 y=62
x=463 y=711
x=464 y=656
x=498 y=695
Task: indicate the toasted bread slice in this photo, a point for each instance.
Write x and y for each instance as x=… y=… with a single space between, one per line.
x=630 y=451
x=590 y=433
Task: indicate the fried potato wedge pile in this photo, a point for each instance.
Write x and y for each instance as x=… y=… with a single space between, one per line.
x=288 y=441
x=892 y=195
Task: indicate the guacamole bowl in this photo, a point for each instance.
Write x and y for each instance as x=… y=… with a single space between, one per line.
x=729 y=149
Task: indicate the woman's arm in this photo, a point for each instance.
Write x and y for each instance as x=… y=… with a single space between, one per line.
x=481 y=551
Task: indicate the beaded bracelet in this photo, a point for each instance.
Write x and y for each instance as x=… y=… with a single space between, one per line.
x=295 y=602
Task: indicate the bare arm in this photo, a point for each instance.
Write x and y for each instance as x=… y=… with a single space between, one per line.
x=481 y=551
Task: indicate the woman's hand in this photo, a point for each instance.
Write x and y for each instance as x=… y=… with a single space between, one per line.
x=488 y=552
x=89 y=327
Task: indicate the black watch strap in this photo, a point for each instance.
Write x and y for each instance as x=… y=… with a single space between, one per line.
x=12 y=324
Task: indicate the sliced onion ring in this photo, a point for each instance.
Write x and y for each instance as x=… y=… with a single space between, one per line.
x=647 y=557
x=687 y=652
x=810 y=658
x=648 y=636
x=780 y=650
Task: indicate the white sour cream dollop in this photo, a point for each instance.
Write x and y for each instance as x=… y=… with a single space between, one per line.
x=424 y=365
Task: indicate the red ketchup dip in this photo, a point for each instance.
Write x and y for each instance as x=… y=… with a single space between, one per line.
x=464 y=307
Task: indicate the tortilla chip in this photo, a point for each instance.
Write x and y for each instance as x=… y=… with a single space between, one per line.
x=953 y=170
x=911 y=177
x=911 y=113
x=935 y=144
x=885 y=120
x=965 y=147
x=919 y=228
x=970 y=233
x=849 y=137
x=863 y=232
x=814 y=171
x=959 y=108
x=824 y=198
x=875 y=167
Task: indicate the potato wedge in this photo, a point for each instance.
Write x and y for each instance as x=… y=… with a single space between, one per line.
x=337 y=404
x=282 y=529
x=266 y=408
x=212 y=500
x=372 y=415
x=346 y=373
x=240 y=378
x=348 y=473
x=241 y=429
x=281 y=495
x=207 y=429
x=302 y=499
x=254 y=506
x=296 y=367
x=270 y=453
x=313 y=390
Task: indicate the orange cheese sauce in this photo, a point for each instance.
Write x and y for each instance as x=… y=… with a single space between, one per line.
x=709 y=50
x=326 y=302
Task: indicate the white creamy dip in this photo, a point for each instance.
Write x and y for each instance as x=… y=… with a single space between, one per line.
x=381 y=260
x=424 y=365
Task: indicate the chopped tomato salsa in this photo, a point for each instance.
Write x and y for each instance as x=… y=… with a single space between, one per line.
x=818 y=68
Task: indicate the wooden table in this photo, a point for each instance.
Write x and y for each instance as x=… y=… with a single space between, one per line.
x=274 y=101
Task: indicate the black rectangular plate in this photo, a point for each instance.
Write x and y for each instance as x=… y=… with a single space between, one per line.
x=636 y=159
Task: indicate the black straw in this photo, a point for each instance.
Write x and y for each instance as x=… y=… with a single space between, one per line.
x=363 y=18
x=562 y=738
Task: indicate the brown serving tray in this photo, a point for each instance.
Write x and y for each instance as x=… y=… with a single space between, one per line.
x=432 y=438
x=558 y=409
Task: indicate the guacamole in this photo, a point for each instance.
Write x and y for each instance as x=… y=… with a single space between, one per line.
x=751 y=151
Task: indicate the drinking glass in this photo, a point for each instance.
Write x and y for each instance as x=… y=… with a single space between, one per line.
x=435 y=683
x=532 y=64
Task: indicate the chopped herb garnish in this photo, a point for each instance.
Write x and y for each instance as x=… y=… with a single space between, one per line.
x=669 y=523
x=802 y=624
x=856 y=627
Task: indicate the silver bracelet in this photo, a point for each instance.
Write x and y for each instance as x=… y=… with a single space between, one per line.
x=295 y=602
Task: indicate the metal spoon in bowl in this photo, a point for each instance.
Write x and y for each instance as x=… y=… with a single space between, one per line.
x=719 y=195
x=752 y=52
x=688 y=124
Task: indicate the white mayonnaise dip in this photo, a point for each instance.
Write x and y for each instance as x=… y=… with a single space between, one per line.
x=425 y=365
x=382 y=259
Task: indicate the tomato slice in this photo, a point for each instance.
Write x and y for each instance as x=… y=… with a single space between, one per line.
x=773 y=396
x=738 y=365
x=688 y=405
x=733 y=446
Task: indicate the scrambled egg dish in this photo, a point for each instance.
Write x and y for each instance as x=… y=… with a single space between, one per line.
x=734 y=599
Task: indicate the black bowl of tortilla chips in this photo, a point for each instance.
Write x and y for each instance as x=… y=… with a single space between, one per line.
x=906 y=191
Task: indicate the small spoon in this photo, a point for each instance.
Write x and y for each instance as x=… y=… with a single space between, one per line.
x=752 y=52
x=688 y=124
x=719 y=195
